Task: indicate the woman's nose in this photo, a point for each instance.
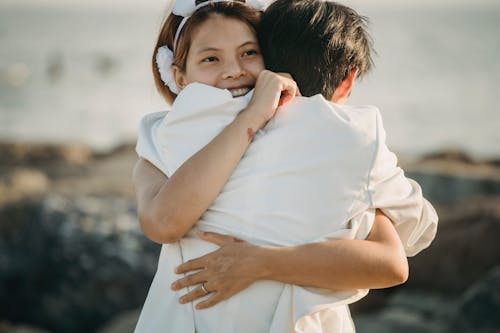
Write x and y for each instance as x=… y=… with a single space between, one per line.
x=233 y=69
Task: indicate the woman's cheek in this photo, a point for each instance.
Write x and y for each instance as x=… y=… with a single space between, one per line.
x=258 y=65
x=207 y=75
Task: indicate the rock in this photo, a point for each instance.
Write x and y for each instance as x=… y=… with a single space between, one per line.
x=6 y=327
x=447 y=189
x=479 y=308
x=29 y=181
x=24 y=154
x=449 y=155
x=72 y=263
x=466 y=247
x=124 y=322
x=408 y=311
x=475 y=310
x=451 y=177
x=21 y=183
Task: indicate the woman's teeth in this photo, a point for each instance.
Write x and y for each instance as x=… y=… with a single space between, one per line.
x=239 y=91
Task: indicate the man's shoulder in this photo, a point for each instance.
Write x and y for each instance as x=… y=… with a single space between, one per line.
x=320 y=101
x=359 y=116
x=357 y=111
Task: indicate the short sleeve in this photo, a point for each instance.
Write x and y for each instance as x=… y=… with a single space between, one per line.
x=400 y=198
x=146 y=147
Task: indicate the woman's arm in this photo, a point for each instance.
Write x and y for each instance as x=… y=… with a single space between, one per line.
x=167 y=211
x=377 y=262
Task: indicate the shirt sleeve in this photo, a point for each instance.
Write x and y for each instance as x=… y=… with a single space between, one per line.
x=400 y=198
x=146 y=144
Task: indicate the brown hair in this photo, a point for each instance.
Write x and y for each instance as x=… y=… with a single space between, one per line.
x=232 y=9
x=318 y=42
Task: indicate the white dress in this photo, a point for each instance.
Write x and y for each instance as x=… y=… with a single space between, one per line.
x=316 y=171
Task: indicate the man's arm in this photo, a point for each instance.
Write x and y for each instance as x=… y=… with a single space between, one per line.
x=377 y=262
x=400 y=198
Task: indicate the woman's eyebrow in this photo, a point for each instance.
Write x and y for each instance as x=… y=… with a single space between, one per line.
x=250 y=42
x=208 y=48
x=213 y=48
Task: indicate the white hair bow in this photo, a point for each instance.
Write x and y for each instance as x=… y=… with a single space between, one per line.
x=164 y=60
x=186 y=8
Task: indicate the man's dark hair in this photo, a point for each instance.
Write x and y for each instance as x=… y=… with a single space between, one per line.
x=318 y=42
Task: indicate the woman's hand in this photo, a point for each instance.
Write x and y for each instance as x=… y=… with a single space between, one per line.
x=222 y=273
x=272 y=90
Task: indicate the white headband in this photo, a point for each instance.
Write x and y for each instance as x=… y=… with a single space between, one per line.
x=186 y=8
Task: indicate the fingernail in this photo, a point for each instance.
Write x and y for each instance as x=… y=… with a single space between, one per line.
x=173 y=286
x=182 y=301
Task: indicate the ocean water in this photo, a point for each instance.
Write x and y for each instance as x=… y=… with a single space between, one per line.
x=83 y=75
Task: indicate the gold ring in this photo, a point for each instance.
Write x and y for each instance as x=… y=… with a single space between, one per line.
x=204 y=289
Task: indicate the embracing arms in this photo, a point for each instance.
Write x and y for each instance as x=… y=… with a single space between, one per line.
x=167 y=210
x=376 y=262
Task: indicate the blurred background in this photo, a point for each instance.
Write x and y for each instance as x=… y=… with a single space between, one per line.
x=75 y=80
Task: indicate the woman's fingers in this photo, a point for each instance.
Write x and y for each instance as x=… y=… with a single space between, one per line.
x=288 y=91
x=195 y=294
x=216 y=298
x=192 y=265
x=295 y=89
x=271 y=91
x=190 y=280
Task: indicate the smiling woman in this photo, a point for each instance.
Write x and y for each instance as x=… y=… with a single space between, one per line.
x=216 y=46
x=224 y=53
x=199 y=42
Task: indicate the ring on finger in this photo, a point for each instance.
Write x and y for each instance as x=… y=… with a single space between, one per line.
x=204 y=288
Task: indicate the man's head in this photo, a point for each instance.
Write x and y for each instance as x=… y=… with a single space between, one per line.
x=320 y=43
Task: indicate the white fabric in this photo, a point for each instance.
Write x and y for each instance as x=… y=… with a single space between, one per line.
x=187 y=8
x=164 y=61
x=316 y=171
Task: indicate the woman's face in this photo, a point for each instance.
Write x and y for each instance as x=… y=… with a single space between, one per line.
x=224 y=53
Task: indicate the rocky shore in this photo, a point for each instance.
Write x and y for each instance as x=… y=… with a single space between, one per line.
x=73 y=258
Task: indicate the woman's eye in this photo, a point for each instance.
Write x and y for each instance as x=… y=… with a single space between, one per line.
x=249 y=53
x=209 y=59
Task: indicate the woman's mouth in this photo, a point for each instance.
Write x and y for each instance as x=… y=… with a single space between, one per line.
x=237 y=92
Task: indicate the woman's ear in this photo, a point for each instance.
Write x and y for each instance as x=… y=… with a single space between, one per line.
x=343 y=91
x=179 y=77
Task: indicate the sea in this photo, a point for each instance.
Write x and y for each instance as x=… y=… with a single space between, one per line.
x=83 y=75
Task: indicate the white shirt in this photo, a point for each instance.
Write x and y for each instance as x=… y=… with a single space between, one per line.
x=316 y=171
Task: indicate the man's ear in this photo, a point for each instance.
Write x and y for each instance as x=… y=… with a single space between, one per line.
x=179 y=77
x=343 y=91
